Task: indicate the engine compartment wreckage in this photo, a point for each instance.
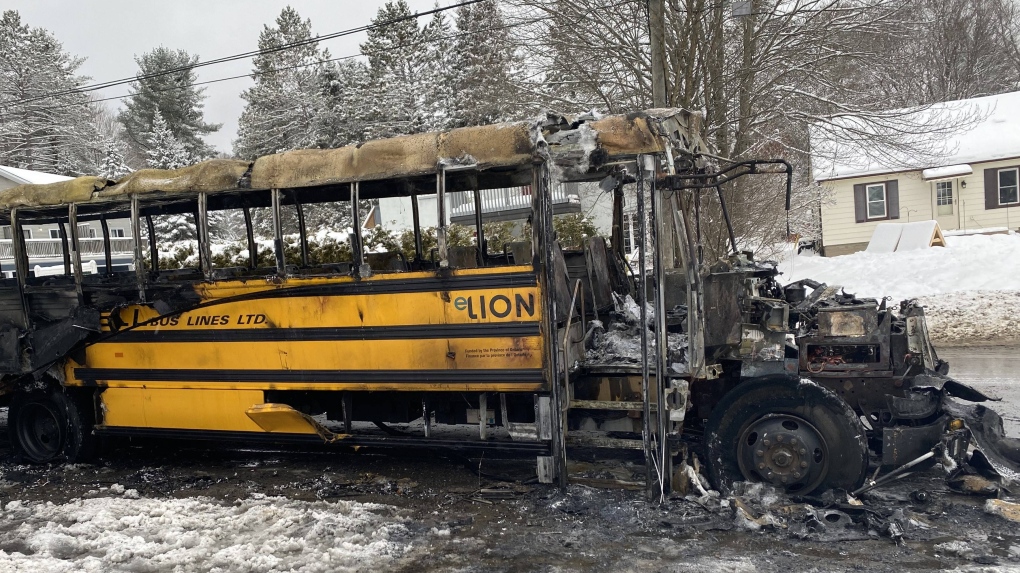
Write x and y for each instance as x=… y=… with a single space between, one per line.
x=797 y=385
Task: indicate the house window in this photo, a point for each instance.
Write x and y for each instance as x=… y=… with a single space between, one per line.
x=1008 y=189
x=876 y=201
x=944 y=197
x=85 y=231
x=54 y=233
x=28 y=233
x=117 y=232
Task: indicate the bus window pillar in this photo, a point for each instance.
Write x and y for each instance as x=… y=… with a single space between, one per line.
x=72 y=221
x=281 y=262
x=65 y=247
x=204 y=248
x=444 y=261
x=136 y=230
x=302 y=231
x=107 y=252
x=357 y=249
x=479 y=228
x=253 y=248
x=416 y=222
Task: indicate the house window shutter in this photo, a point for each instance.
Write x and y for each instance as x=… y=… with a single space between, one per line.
x=860 y=203
x=892 y=198
x=991 y=188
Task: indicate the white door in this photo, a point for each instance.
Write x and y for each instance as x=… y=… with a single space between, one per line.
x=946 y=204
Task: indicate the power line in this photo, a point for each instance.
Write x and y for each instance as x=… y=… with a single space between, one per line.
x=241 y=56
x=297 y=66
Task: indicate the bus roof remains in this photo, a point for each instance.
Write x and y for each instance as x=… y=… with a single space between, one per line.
x=569 y=140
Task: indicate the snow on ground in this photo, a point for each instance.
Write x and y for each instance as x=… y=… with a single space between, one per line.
x=970 y=288
x=128 y=533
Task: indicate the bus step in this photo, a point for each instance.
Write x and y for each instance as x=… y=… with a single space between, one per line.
x=607 y=405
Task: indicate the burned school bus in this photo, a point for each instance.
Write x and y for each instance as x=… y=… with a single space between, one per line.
x=541 y=349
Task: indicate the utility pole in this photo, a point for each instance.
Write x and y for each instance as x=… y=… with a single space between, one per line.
x=657 y=39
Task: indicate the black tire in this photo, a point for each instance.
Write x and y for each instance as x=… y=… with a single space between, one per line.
x=749 y=434
x=50 y=426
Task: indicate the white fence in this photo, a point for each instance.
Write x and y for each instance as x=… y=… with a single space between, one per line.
x=509 y=203
x=53 y=248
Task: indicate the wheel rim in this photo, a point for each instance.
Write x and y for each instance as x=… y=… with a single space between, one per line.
x=785 y=451
x=39 y=432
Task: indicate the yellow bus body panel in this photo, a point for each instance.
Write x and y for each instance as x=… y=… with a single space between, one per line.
x=180 y=409
x=472 y=330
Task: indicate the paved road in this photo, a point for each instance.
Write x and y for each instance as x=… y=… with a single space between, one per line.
x=994 y=370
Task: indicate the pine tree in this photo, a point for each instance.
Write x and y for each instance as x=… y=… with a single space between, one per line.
x=285 y=106
x=54 y=133
x=396 y=62
x=345 y=114
x=113 y=166
x=484 y=64
x=173 y=96
x=438 y=77
x=164 y=150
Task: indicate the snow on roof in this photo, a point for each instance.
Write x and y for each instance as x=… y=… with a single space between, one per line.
x=995 y=134
x=947 y=172
x=22 y=176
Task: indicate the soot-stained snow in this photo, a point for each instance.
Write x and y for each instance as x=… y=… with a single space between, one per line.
x=261 y=533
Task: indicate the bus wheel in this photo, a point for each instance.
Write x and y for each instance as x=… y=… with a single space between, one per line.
x=49 y=426
x=790 y=433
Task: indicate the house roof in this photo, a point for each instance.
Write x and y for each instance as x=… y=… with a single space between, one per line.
x=23 y=176
x=991 y=132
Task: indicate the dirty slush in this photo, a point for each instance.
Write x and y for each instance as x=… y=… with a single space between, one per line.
x=419 y=512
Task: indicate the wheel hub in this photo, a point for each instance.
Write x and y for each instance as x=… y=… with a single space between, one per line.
x=39 y=432
x=783 y=450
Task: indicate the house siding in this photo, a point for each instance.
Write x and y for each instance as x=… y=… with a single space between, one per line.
x=841 y=233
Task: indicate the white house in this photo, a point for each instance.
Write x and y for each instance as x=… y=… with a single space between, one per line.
x=973 y=186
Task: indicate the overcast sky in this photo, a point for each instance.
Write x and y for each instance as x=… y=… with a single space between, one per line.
x=109 y=33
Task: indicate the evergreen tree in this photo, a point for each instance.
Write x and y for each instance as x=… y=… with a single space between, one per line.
x=344 y=115
x=173 y=96
x=165 y=151
x=397 y=63
x=484 y=65
x=284 y=108
x=53 y=133
x=438 y=78
x=113 y=166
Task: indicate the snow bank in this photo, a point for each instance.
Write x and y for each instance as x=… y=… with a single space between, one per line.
x=971 y=288
x=200 y=534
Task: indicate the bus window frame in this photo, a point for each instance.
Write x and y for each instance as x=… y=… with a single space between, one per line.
x=160 y=203
x=104 y=213
x=294 y=197
x=43 y=215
